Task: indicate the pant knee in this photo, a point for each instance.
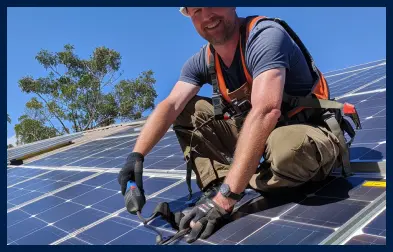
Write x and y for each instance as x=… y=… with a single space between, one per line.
x=300 y=151
x=197 y=107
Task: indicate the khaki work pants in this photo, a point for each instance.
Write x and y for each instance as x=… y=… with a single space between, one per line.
x=294 y=154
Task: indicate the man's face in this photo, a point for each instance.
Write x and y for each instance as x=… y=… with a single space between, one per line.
x=216 y=25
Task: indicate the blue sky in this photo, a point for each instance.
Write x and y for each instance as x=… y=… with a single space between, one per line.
x=162 y=39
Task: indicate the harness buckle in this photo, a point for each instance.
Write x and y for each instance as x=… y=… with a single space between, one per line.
x=218 y=107
x=350 y=111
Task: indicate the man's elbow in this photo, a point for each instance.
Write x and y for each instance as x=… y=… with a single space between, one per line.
x=270 y=113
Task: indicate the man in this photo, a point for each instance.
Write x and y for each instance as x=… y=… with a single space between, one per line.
x=229 y=151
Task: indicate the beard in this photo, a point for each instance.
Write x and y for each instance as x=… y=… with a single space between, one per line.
x=221 y=33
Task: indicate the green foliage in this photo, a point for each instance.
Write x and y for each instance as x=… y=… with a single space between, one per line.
x=79 y=94
x=134 y=96
x=8 y=118
x=30 y=130
x=10 y=146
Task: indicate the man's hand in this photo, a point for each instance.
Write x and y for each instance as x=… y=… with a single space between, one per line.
x=127 y=173
x=203 y=219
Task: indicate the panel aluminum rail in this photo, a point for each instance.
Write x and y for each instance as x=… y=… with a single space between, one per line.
x=24 y=151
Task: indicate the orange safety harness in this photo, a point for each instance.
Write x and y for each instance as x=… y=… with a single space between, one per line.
x=317 y=105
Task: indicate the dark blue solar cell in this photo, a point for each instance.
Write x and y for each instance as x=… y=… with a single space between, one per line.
x=74 y=241
x=377 y=85
x=237 y=230
x=15 y=217
x=29 y=182
x=26 y=197
x=17 y=171
x=14 y=180
x=370 y=136
x=59 y=212
x=377 y=154
x=23 y=228
x=12 y=190
x=42 y=162
x=9 y=205
x=43 y=236
x=80 y=219
x=379 y=95
x=267 y=207
x=101 y=179
x=358 y=150
x=152 y=160
x=64 y=175
x=382 y=112
x=94 y=196
x=377 y=226
x=366 y=112
x=113 y=163
x=168 y=163
x=97 y=162
x=111 y=204
x=369 y=103
x=156 y=184
x=78 y=176
x=128 y=145
x=42 y=205
x=52 y=174
x=53 y=186
x=138 y=236
x=180 y=191
x=352 y=188
x=374 y=123
x=287 y=233
x=82 y=162
x=74 y=191
x=16 y=193
x=116 y=153
x=34 y=184
x=166 y=151
x=58 y=162
x=99 y=235
x=112 y=185
x=366 y=240
x=327 y=212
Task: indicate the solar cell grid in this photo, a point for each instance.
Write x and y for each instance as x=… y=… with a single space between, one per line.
x=356 y=67
x=365 y=239
x=377 y=226
x=71 y=209
x=370 y=78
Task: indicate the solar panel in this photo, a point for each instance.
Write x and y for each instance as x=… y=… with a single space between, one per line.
x=72 y=197
x=359 y=67
x=55 y=215
x=377 y=226
x=367 y=240
x=28 y=149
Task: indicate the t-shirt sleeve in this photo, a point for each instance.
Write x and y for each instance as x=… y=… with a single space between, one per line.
x=269 y=46
x=195 y=71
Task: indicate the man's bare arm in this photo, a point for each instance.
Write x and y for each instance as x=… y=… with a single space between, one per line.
x=164 y=115
x=266 y=100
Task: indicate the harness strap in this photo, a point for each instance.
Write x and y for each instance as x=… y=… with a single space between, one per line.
x=187 y=155
x=334 y=126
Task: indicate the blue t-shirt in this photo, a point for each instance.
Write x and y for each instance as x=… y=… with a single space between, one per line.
x=268 y=46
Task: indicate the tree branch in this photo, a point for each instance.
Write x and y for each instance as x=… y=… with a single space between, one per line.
x=57 y=117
